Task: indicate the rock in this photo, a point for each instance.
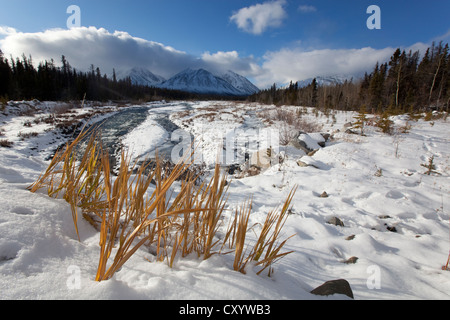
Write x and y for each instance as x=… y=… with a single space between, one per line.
x=351 y=260
x=318 y=138
x=324 y=195
x=233 y=169
x=307 y=142
x=308 y=161
x=350 y=237
x=304 y=164
x=254 y=171
x=326 y=136
x=348 y=125
x=336 y=221
x=332 y=287
x=391 y=229
x=299 y=145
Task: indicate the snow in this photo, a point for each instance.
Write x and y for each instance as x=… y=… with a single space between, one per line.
x=142 y=76
x=203 y=82
x=239 y=82
x=139 y=143
x=373 y=182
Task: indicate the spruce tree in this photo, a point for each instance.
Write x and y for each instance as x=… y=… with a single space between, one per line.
x=5 y=76
x=361 y=119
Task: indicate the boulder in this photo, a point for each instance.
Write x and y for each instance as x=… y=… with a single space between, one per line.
x=304 y=164
x=332 y=287
x=335 y=221
x=309 y=142
x=351 y=260
x=326 y=136
x=304 y=142
x=318 y=138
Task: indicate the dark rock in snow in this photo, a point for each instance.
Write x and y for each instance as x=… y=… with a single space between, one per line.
x=391 y=229
x=351 y=260
x=336 y=221
x=332 y=287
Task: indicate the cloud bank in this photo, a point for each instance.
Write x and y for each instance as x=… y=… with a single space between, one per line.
x=85 y=46
x=296 y=64
x=258 y=18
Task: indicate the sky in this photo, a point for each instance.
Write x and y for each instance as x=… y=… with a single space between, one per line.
x=272 y=41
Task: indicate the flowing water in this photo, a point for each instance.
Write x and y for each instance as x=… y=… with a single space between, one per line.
x=113 y=129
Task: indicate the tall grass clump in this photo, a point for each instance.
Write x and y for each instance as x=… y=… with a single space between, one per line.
x=79 y=182
x=137 y=207
x=267 y=248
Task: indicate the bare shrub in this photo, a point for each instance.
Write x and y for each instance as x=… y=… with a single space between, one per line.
x=28 y=135
x=307 y=126
x=5 y=143
x=290 y=120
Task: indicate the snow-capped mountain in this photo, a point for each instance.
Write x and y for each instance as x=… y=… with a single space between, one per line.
x=239 y=82
x=143 y=76
x=201 y=81
x=325 y=80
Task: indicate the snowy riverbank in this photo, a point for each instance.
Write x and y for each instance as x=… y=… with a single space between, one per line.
x=395 y=217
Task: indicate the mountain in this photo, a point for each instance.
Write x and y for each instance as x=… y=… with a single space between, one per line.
x=201 y=81
x=143 y=76
x=325 y=80
x=239 y=82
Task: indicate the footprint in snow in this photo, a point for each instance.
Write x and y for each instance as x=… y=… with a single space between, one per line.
x=23 y=211
x=394 y=194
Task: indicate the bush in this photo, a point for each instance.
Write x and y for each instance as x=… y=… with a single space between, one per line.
x=28 y=135
x=6 y=143
x=384 y=123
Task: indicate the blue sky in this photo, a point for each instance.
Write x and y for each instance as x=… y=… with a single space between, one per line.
x=250 y=36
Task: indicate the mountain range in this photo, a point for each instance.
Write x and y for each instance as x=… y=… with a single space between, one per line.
x=198 y=81
x=325 y=80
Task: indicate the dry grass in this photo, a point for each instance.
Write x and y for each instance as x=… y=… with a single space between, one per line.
x=5 y=143
x=130 y=215
x=267 y=248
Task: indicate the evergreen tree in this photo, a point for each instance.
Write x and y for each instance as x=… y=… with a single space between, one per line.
x=5 y=76
x=361 y=119
x=314 y=90
x=376 y=87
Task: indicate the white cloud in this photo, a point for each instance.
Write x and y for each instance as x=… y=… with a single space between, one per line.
x=223 y=61
x=307 y=8
x=258 y=18
x=85 y=46
x=445 y=37
x=6 y=31
x=296 y=64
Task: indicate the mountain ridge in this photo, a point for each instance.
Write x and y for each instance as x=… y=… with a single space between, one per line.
x=200 y=81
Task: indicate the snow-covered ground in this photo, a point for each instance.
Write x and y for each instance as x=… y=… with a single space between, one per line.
x=396 y=218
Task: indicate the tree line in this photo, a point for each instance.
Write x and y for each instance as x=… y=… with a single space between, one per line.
x=407 y=83
x=21 y=80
